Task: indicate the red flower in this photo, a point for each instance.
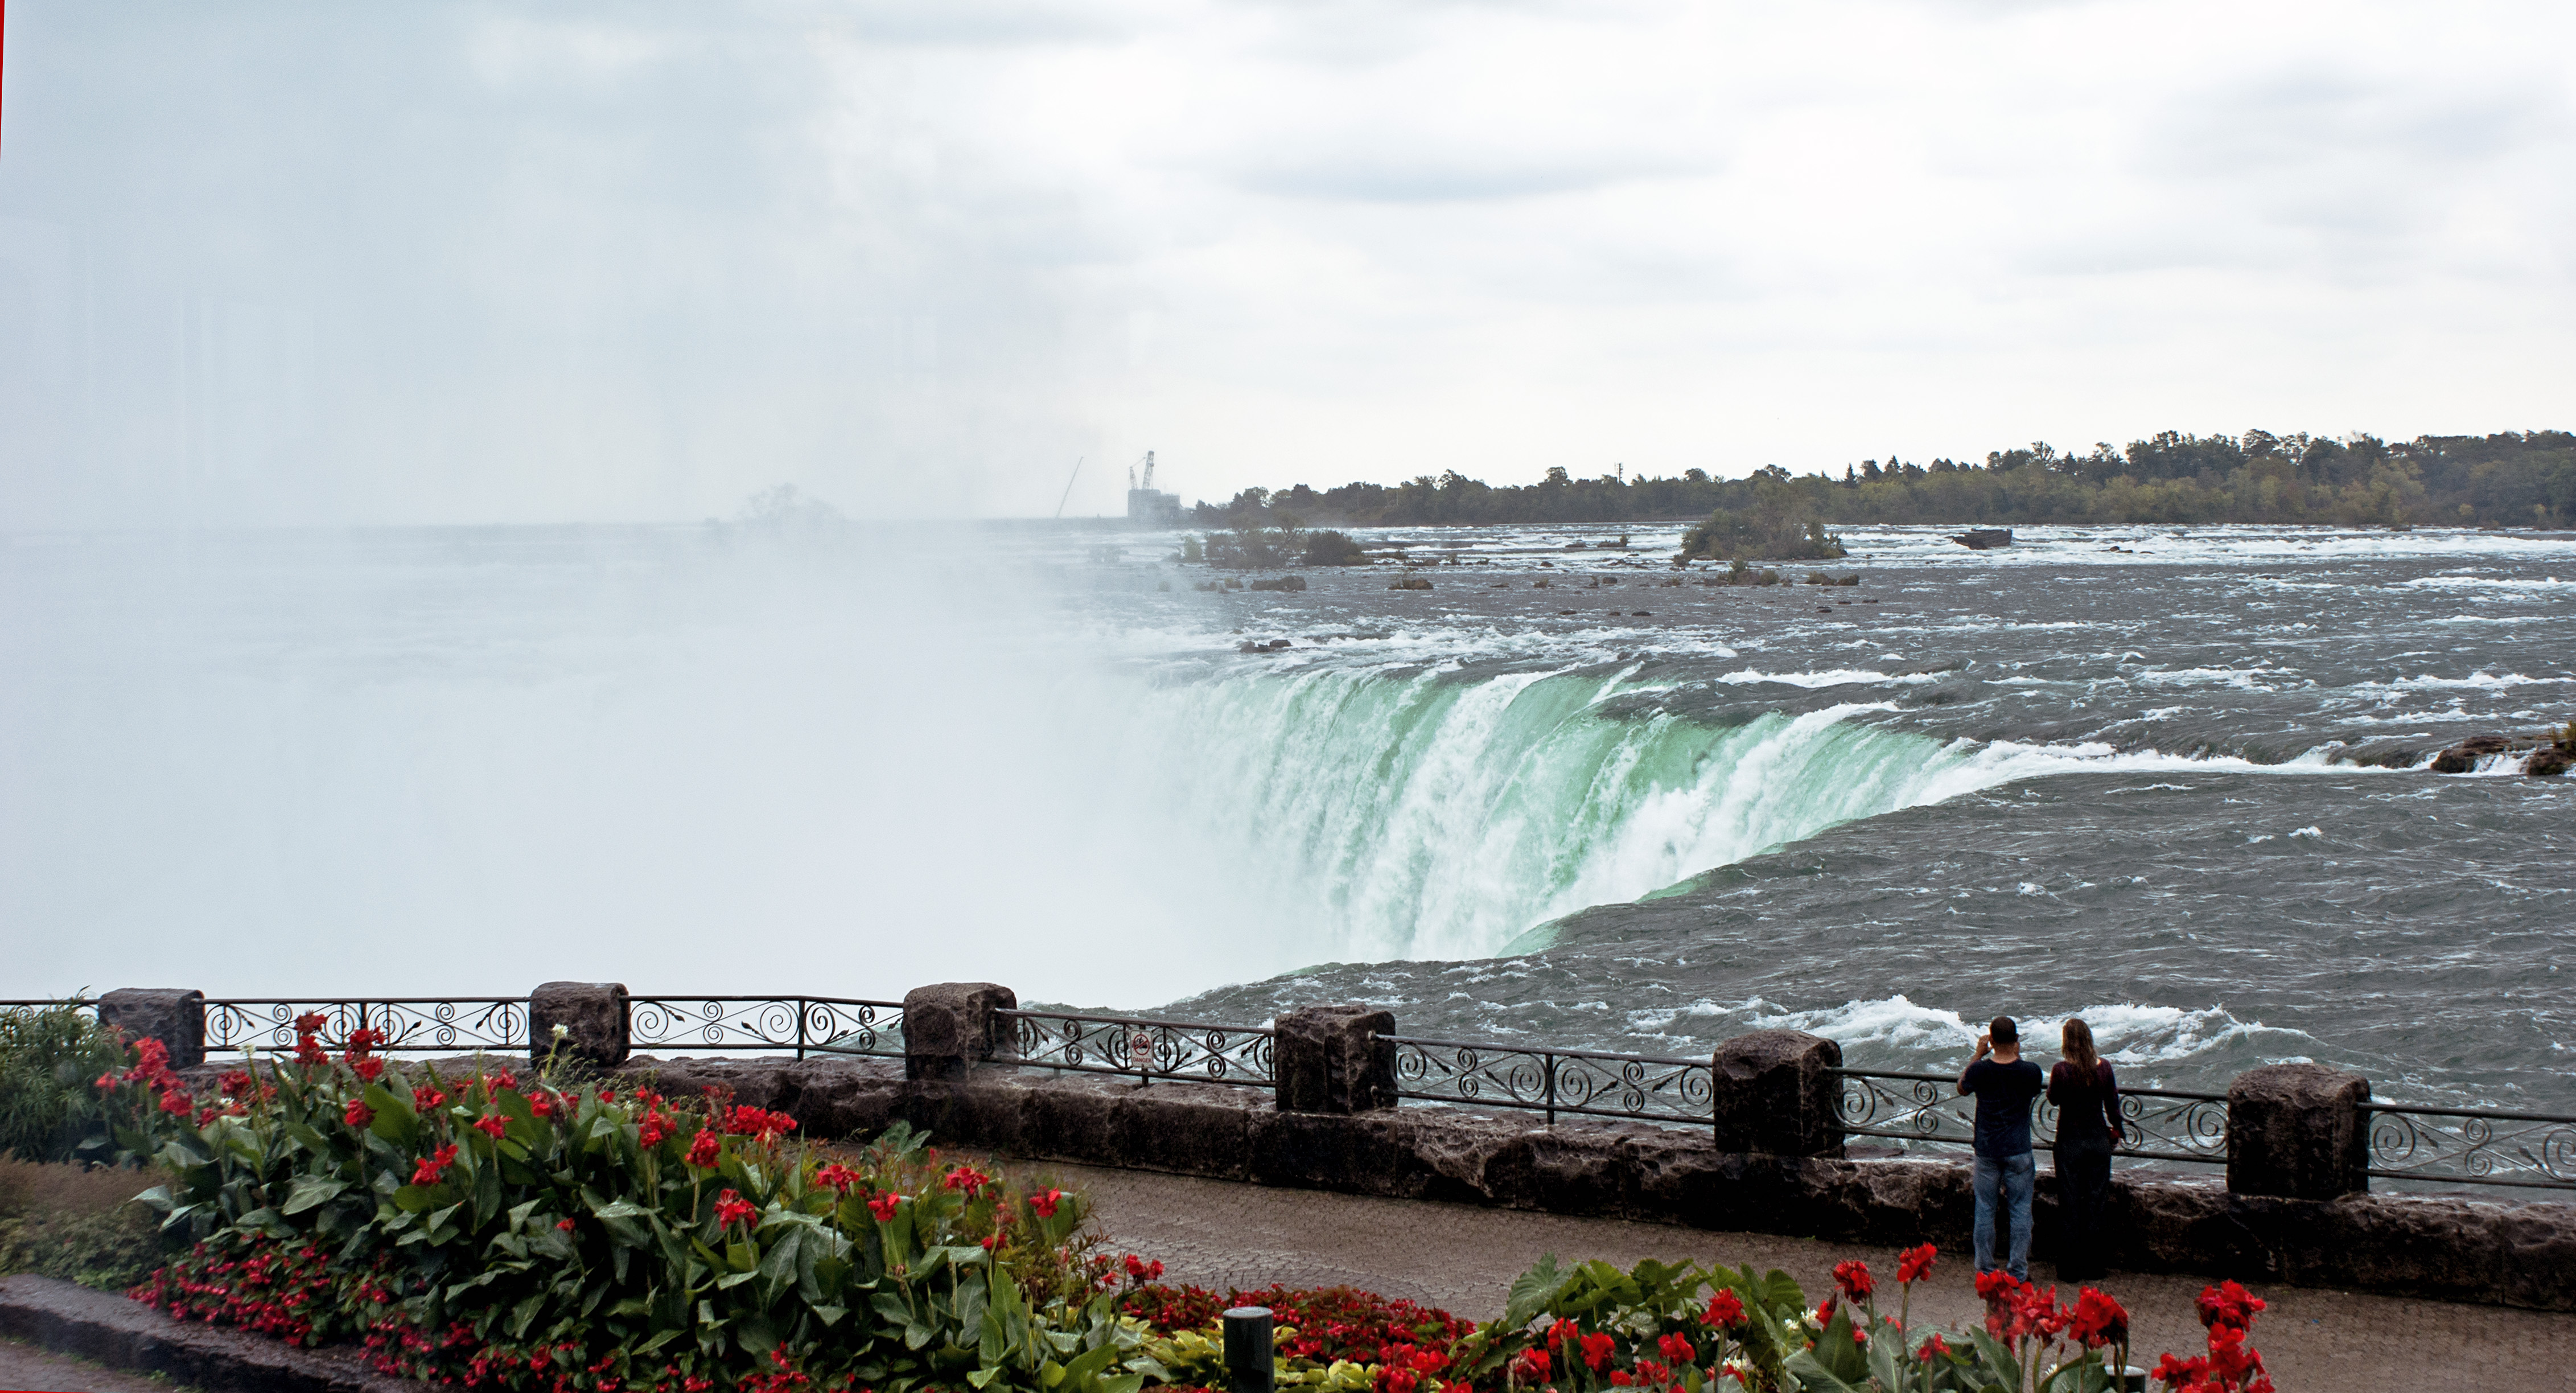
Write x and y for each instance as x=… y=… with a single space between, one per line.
x=2229 y=1304
x=310 y=1023
x=1140 y=1270
x=1619 y=1379
x=235 y=1082
x=367 y=1067
x=500 y=1078
x=881 y=1206
x=654 y=1129
x=839 y=1178
x=176 y=1102
x=1531 y=1366
x=704 y=1149
x=1677 y=1348
x=732 y=1209
x=1044 y=1205
x=423 y=1099
x=757 y=1123
x=1914 y=1264
x=491 y=1125
x=541 y=1103
x=564 y=1224
x=358 y=1113
x=2098 y=1320
x=1854 y=1280
x=968 y=1179
x=1933 y=1348
x=1596 y=1351
x=433 y=1165
x=1724 y=1309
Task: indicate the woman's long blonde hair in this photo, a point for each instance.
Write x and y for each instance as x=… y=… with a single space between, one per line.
x=2077 y=1045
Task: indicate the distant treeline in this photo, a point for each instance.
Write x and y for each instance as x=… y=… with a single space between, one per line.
x=2514 y=479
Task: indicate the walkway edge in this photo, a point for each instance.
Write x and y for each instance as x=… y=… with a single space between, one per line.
x=122 y=1333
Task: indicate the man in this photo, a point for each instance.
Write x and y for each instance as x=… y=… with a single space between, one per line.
x=2004 y=1087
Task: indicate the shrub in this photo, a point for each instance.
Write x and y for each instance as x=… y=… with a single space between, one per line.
x=1330 y=548
x=1762 y=536
x=76 y=1222
x=48 y=1110
x=525 y=1236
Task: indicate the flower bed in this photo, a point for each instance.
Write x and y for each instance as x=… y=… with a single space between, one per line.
x=511 y=1234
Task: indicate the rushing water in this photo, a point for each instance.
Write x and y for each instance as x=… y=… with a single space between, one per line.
x=2107 y=771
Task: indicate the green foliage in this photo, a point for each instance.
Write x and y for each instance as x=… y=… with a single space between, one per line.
x=477 y=1222
x=1252 y=548
x=76 y=1222
x=48 y=1109
x=2510 y=479
x=1329 y=548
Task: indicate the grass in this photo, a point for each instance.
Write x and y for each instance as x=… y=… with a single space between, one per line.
x=61 y=1220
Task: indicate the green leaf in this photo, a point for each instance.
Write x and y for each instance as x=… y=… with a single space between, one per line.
x=311 y=1190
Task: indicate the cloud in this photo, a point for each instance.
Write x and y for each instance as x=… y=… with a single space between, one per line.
x=515 y=262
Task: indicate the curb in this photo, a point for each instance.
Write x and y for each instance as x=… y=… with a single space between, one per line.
x=125 y=1334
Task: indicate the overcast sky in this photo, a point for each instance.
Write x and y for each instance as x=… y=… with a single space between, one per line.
x=542 y=262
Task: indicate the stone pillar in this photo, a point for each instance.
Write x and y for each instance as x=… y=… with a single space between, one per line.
x=1770 y=1093
x=175 y=1016
x=592 y=1016
x=2297 y=1131
x=950 y=1027
x=1332 y=1059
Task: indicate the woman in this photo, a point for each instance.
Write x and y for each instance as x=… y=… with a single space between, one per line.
x=2088 y=1125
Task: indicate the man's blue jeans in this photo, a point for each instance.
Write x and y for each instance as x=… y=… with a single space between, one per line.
x=2003 y=1192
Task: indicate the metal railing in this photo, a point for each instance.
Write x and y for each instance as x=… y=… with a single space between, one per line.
x=409 y=1025
x=2535 y=1151
x=836 y=1025
x=1590 y=1083
x=1142 y=1048
x=2163 y=1124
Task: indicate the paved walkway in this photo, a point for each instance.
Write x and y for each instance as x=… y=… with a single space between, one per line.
x=26 y=1366
x=1218 y=1233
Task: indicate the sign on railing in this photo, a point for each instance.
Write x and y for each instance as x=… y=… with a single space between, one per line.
x=1142 y=1048
x=2474 y=1146
x=2163 y=1124
x=1592 y=1083
x=408 y=1026
x=805 y=1024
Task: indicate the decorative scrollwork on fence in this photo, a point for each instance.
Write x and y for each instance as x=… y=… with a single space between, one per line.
x=408 y=1027
x=1592 y=1083
x=2473 y=1146
x=1143 y=1049
x=804 y=1024
x=1927 y=1109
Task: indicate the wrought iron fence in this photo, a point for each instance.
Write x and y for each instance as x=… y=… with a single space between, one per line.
x=2472 y=1146
x=1591 y=1083
x=1143 y=1048
x=805 y=1024
x=410 y=1026
x=2163 y=1124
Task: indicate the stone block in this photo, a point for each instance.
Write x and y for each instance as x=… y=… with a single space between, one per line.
x=950 y=1027
x=1772 y=1094
x=2296 y=1131
x=175 y=1016
x=591 y=1015
x=1333 y=1059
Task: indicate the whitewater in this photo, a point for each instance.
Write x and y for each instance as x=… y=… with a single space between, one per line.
x=2169 y=778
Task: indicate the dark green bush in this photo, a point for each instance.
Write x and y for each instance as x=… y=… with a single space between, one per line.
x=1334 y=549
x=49 y=1057
x=78 y=1223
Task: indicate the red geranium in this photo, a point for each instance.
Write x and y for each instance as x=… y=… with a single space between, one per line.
x=1596 y=1350
x=732 y=1209
x=1724 y=1309
x=1854 y=1280
x=704 y=1149
x=1677 y=1348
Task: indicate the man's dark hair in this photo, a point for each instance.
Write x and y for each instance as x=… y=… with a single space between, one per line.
x=2004 y=1031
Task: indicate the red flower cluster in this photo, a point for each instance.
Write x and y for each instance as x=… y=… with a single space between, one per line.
x=1677 y=1348
x=423 y=1099
x=433 y=1166
x=655 y=1128
x=705 y=1149
x=361 y=1061
x=308 y=1040
x=759 y=1124
x=1914 y=1264
x=1043 y=1205
x=967 y=1179
x=1724 y=1310
x=1531 y=1366
x=2017 y=1311
x=2231 y=1365
x=2098 y=1320
x=1853 y=1280
x=152 y=1070
x=264 y=1286
x=1138 y=1270
x=492 y=1124
x=358 y=1114
x=882 y=1206
x=836 y=1177
x=732 y=1209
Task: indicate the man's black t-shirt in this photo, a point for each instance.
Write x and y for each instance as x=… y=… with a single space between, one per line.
x=2003 y=1094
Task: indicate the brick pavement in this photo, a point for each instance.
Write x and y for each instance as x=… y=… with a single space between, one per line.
x=1218 y=1233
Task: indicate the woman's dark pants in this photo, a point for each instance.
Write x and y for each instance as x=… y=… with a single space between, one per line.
x=2083 y=1193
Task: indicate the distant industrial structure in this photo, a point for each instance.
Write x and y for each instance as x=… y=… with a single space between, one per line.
x=1148 y=506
